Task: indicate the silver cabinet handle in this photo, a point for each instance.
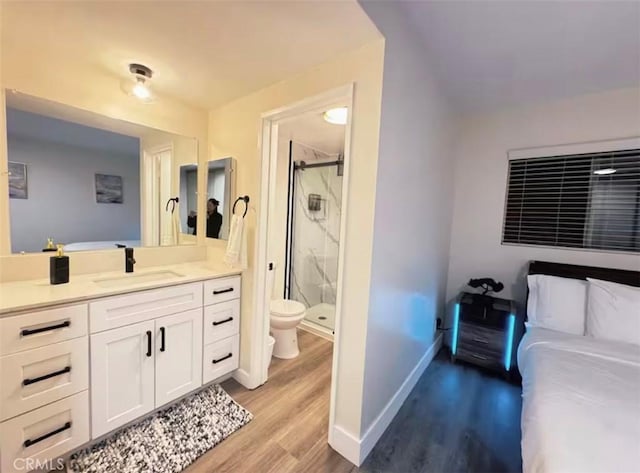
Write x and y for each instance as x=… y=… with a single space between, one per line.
x=480 y=357
x=481 y=340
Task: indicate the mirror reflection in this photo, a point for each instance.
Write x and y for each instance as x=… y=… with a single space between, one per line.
x=90 y=182
x=219 y=192
x=188 y=197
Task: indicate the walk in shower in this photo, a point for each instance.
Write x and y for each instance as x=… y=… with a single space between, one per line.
x=313 y=233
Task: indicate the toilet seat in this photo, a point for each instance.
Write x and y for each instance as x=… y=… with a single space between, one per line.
x=286 y=308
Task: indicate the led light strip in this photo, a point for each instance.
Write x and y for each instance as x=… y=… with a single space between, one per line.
x=511 y=325
x=456 y=321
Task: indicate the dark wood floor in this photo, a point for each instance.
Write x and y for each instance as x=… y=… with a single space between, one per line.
x=457 y=419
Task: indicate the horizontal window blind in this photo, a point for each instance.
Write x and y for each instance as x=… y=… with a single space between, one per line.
x=577 y=201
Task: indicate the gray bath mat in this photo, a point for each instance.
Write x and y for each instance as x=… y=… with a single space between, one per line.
x=168 y=441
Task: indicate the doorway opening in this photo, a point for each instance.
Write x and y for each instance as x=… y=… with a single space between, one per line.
x=304 y=188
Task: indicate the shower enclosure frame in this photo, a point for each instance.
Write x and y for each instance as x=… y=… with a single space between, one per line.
x=257 y=373
x=293 y=167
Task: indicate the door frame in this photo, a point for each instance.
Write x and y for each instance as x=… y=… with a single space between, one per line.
x=151 y=189
x=268 y=151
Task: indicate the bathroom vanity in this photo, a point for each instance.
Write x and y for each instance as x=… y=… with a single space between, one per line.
x=81 y=360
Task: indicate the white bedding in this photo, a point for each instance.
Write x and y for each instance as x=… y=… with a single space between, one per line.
x=581 y=404
x=99 y=245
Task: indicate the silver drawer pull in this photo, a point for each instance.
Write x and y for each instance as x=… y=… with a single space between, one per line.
x=479 y=357
x=481 y=340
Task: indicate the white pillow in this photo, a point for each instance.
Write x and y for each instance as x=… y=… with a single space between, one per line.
x=613 y=312
x=557 y=303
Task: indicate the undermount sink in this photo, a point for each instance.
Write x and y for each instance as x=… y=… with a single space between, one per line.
x=132 y=278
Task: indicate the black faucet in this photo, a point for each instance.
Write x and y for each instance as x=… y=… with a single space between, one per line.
x=129 y=260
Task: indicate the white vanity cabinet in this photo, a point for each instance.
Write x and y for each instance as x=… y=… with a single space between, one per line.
x=143 y=366
x=44 y=377
x=221 y=328
x=178 y=355
x=122 y=376
x=73 y=373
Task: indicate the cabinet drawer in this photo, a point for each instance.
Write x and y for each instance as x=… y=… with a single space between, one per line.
x=489 y=360
x=221 y=321
x=220 y=358
x=129 y=309
x=33 y=378
x=476 y=335
x=45 y=434
x=36 y=329
x=221 y=290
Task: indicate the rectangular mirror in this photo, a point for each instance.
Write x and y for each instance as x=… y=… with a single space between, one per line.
x=188 y=198
x=220 y=189
x=91 y=182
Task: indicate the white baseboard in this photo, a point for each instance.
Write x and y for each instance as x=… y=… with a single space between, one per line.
x=356 y=450
x=244 y=378
x=380 y=424
x=345 y=444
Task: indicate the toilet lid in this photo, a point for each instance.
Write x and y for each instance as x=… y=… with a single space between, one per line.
x=286 y=308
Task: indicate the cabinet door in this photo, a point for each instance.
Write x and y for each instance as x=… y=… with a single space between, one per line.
x=178 y=350
x=122 y=376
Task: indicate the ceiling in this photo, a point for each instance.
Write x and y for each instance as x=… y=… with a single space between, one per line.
x=203 y=53
x=30 y=126
x=313 y=130
x=493 y=54
x=92 y=124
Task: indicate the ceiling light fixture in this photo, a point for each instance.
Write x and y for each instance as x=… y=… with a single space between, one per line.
x=139 y=86
x=604 y=171
x=337 y=116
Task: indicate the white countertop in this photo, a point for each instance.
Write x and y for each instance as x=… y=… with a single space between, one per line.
x=34 y=294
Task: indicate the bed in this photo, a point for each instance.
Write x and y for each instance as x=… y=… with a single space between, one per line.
x=581 y=396
x=99 y=245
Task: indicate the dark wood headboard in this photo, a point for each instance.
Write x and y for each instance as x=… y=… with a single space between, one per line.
x=622 y=276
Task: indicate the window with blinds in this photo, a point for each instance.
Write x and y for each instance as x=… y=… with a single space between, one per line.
x=577 y=201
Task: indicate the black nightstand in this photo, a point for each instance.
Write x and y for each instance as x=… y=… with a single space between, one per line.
x=483 y=331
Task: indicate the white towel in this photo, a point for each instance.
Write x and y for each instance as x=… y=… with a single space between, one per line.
x=236 y=254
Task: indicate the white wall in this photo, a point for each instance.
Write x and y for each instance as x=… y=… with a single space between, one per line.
x=412 y=218
x=481 y=176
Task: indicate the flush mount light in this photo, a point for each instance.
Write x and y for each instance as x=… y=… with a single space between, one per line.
x=604 y=171
x=337 y=116
x=138 y=85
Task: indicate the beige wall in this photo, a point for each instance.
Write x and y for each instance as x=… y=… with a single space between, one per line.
x=234 y=131
x=96 y=91
x=481 y=177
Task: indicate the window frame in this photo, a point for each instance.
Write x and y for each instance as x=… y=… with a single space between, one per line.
x=600 y=146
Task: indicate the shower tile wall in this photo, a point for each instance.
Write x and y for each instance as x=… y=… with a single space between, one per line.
x=316 y=233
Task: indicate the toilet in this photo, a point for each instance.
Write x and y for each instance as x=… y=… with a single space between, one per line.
x=285 y=316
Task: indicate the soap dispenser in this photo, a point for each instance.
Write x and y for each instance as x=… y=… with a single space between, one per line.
x=49 y=246
x=59 y=268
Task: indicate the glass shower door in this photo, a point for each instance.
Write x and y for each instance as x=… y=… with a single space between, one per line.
x=315 y=243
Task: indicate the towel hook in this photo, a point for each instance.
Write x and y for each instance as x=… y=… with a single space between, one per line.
x=244 y=198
